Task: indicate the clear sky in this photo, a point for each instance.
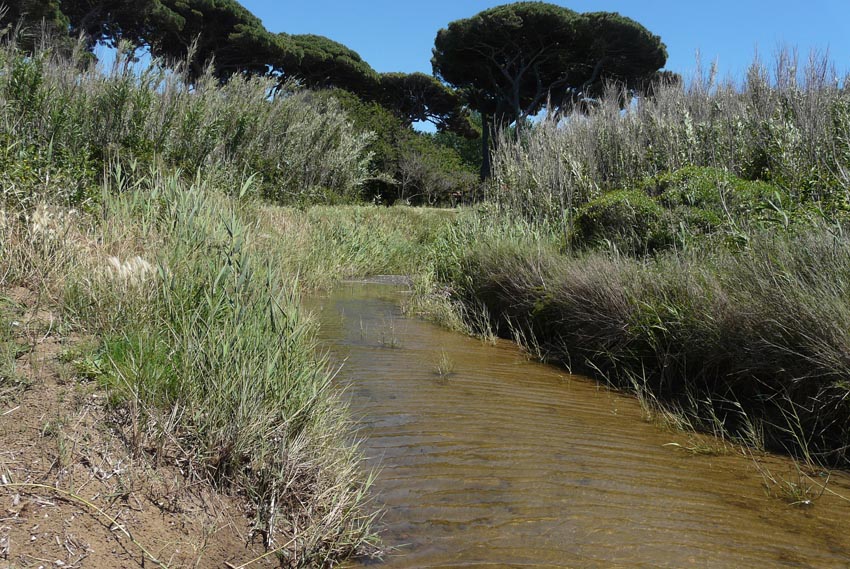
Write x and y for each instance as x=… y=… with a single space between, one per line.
x=397 y=35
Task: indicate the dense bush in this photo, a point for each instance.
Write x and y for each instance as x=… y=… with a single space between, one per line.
x=716 y=190
x=407 y=166
x=469 y=149
x=629 y=220
x=432 y=174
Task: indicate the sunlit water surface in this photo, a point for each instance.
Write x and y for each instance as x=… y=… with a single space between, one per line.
x=508 y=463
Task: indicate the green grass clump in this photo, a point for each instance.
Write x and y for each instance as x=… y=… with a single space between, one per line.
x=444 y=366
x=209 y=355
x=325 y=244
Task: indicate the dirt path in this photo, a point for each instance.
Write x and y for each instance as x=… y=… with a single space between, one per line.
x=70 y=493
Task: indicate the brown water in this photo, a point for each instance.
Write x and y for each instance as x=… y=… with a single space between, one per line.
x=509 y=463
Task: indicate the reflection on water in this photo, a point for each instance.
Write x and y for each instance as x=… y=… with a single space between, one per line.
x=501 y=462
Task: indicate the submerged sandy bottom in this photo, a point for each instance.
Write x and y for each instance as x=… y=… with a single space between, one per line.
x=508 y=463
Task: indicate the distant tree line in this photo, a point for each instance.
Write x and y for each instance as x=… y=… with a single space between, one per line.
x=225 y=32
x=495 y=69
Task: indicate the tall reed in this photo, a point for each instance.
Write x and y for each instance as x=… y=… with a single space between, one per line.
x=788 y=125
x=63 y=117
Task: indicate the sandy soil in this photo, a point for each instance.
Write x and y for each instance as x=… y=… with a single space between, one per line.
x=70 y=493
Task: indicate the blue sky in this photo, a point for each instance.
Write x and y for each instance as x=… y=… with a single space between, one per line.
x=398 y=35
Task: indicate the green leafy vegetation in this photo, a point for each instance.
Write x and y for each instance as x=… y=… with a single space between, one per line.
x=685 y=242
x=406 y=166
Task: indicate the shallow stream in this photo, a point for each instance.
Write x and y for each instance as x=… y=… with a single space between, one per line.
x=503 y=462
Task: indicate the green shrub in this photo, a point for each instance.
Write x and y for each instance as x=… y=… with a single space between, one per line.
x=469 y=149
x=696 y=220
x=716 y=190
x=432 y=174
x=628 y=219
x=383 y=148
x=407 y=166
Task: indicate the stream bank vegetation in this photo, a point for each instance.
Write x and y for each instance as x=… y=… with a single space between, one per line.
x=691 y=248
x=132 y=222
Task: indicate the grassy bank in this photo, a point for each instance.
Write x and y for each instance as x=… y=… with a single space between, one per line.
x=205 y=356
x=325 y=244
x=131 y=207
x=756 y=338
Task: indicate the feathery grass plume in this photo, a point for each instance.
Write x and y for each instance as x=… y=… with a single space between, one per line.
x=134 y=271
x=49 y=223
